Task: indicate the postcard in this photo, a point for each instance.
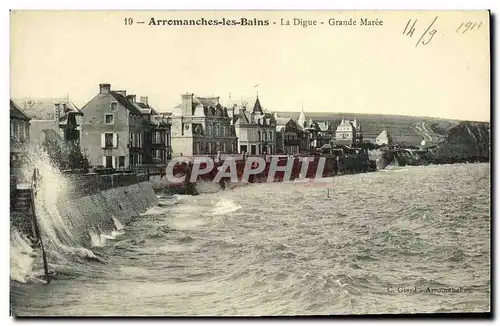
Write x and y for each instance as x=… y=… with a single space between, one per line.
x=250 y=163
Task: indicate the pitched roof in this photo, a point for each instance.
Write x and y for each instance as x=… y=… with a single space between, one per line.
x=384 y=134
x=16 y=113
x=44 y=108
x=243 y=116
x=158 y=120
x=282 y=121
x=126 y=103
x=251 y=103
x=206 y=101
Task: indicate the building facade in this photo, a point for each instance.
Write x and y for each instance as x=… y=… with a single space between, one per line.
x=117 y=130
x=316 y=134
x=348 y=133
x=202 y=126
x=52 y=117
x=255 y=129
x=19 y=135
x=289 y=136
x=156 y=133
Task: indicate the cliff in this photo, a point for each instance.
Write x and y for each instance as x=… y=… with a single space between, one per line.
x=466 y=142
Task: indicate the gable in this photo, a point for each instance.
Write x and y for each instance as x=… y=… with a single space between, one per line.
x=16 y=113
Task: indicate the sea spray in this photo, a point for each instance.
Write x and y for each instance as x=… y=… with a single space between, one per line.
x=117 y=223
x=225 y=206
x=22 y=257
x=60 y=243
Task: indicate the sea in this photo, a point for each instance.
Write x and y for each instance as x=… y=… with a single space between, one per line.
x=400 y=240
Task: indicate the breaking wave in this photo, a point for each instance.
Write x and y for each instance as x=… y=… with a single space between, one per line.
x=62 y=243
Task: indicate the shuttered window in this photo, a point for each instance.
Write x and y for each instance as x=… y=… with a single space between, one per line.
x=109 y=140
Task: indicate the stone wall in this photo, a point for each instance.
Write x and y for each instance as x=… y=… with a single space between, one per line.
x=96 y=212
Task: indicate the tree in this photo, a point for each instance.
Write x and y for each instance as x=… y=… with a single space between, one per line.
x=66 y=156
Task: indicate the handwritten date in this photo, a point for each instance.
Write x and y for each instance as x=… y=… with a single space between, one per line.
x=468 y=26
x=426 y=37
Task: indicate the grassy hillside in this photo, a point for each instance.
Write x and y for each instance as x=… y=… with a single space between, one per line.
x=405 y=130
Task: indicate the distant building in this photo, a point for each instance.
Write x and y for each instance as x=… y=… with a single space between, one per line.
x=157 y=136
x=117 y=131
x=348 y=133
x=325 y=132
x=383 y=139
x=315 y=133
x=255 y=128
x=52 y=117
x=202 y=126
x=19 y=134
x=288 y=136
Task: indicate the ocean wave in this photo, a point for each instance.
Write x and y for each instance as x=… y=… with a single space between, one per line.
x=225 y=206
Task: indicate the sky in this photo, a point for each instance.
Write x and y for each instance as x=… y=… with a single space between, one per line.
x=324 y=68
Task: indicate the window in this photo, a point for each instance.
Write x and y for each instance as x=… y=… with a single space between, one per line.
x=21 y=131
x=223 y=147
x=121 y=161
x=259 y=135
x=109 y=161
x=109 y=118
x=16 y=130
x=113 y=106
x=270 y=136
x=108 y=140
x=157 y=139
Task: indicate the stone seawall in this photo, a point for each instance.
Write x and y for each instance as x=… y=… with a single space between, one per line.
x=96 y=212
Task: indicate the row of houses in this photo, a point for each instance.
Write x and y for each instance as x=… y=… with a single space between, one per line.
x=116 y=129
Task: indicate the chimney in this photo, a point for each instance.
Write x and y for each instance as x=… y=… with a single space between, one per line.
x=131 y=98
x=122 y=93
x=104 y=88
x=187 y=103
x=144 y=99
